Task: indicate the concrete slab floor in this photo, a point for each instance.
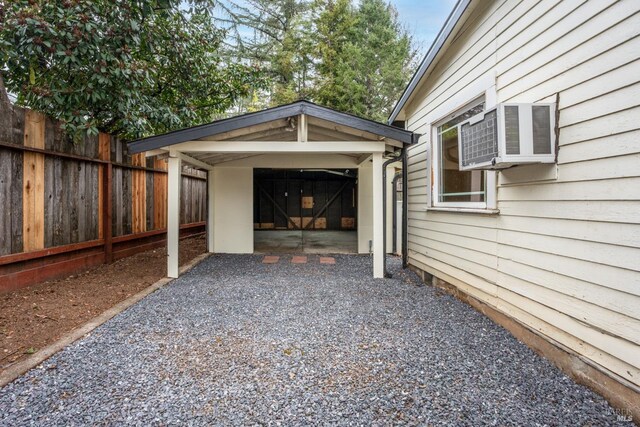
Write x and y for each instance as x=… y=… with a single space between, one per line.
x=309 y=242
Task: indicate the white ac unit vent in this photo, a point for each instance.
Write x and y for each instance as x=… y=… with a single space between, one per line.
x=508 y=135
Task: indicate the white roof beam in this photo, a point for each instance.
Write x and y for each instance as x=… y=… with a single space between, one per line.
x=280 y=147
x=188 y=159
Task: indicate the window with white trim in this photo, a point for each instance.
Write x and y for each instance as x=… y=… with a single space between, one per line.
x=453 y=187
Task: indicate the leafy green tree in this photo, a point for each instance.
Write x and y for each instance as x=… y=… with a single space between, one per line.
x=131 y=68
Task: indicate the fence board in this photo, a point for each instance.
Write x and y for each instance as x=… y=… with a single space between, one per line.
x=11 y=131
x=82 y=202
x=126 y=157
x=118 y=152
x=6 y=132
x=90 y=192
x=49 y=134
x=195 y=201
x=33 y=183
x=6 y=165
x=17 y=126
x=93 y=190
x=90 y=146
x=17 y=239
x=65 y=230
x=104 y=153
x=49 y=201
x=87 y=189
x=203 y=201
x=58 y=207
x=149 y=203
x=160 y=196
x=138 y=195
x=184 y=198
x=113 y=148
x=74 y=199
x=117 y=201
x=126 y=202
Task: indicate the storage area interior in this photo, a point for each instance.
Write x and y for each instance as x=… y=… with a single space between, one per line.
x=305 y=210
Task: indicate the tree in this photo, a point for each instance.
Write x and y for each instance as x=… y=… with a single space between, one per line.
x=131 y=68
x=366 y=55
x=335 y=29
x=293 y=65
x=276 y=35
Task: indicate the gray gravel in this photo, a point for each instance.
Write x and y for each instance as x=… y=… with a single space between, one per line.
x=237 y=342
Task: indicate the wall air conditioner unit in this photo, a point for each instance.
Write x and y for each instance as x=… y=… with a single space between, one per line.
x=508 y=135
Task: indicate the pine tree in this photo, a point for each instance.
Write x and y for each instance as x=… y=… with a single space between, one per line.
x=369 y=61
x=352 y=58
x=293 y=64
x=335 y=21
x=279 y=43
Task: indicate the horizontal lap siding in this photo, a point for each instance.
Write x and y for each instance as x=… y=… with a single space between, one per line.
x=562 y=255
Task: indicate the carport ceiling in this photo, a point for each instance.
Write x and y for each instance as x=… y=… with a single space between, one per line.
x=300 y=121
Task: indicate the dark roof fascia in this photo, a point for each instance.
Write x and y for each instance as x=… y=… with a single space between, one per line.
x=270 y=114
x=214 y=128
x=441 y=38
x=356 y=122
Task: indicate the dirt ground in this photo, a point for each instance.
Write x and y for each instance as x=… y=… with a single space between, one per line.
x=34 y=317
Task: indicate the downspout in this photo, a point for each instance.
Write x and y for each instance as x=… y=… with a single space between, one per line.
x=394 y=202
x=384 y=213
x=405 y=207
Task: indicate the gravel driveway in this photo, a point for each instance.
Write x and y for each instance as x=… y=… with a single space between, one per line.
x=238 y=342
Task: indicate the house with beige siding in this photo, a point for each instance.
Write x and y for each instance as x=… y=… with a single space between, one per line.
x=550 y=249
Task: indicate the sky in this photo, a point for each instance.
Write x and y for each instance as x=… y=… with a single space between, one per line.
x=423 y=19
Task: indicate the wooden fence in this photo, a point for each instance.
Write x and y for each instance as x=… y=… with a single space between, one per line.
x=66 y=206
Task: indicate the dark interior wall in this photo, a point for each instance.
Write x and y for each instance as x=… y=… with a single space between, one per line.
x=290 y=199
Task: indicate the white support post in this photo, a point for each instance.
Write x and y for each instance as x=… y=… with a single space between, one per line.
x=173 y=215
x=378 y=244
x=210 y=199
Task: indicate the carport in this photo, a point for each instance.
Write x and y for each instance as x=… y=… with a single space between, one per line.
x=298 y=136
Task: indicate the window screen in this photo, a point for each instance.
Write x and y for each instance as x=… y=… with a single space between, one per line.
x=480 y=140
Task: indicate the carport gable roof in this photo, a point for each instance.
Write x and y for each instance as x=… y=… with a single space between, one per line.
x=271 y=114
